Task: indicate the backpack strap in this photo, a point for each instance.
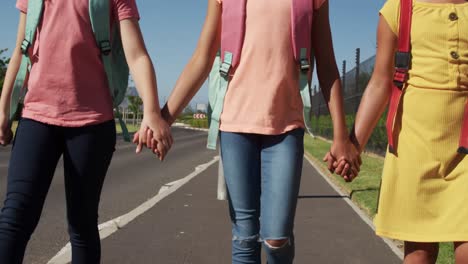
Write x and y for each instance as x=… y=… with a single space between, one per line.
x=402 y=65
x=463 y=148
x=232 y=39
x=33 y=18
x=99 y=13
x=301 y=21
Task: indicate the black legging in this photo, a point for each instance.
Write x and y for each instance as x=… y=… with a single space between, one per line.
x=87 y=152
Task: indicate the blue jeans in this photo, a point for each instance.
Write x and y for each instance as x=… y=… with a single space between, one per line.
x=87 y=152
x=263 y=175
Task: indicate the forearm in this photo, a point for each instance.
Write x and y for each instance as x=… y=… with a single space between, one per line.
x=144 y=76
x=335 y=104
x=331 y=88
x=9 y=82
x=373 y=104
x=188 y=84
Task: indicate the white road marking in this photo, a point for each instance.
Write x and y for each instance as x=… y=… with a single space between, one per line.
x=356 y=209
x=112 y=226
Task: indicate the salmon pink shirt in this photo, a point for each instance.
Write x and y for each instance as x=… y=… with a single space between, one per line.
x=68 y=85
x=263 y=96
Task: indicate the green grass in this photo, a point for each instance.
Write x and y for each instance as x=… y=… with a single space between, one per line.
x=189 y=120
x=131 y=128
x=363 y=190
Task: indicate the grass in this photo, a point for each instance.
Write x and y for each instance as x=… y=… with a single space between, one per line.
x=189 y=120
x=131 y=128
x=363 y=190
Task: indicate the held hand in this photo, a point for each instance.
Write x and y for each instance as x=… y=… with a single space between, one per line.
x=6 y=134
x=346 y=159
x=332 y=164
x=155 y=133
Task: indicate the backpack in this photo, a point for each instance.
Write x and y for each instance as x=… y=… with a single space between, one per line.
x=400 y=78
x=226 y=61
x=232 y=37
x=109 y=43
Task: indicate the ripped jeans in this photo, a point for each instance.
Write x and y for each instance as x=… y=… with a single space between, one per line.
x=263 y=175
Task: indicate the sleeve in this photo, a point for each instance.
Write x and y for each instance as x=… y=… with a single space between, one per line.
x=126 y=9
x=391 y=13
x=22 y=5
x=318 y=4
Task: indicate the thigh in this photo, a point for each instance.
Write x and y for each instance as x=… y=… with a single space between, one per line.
x=281 y=166
x=241 y=160
x=461 y=252
x=419 y=252
x=87 y=156
x=36 y=150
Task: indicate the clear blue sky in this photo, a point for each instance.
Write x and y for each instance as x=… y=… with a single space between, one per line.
x=171 y=30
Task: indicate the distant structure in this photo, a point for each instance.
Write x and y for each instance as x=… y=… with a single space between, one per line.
x=131 y=91
x=202 y=108
x=126 y=113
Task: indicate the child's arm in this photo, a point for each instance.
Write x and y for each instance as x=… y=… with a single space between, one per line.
x=329 y=79
x=6 y=134
x=199 y=66
x=142 y=70
x=378 y=91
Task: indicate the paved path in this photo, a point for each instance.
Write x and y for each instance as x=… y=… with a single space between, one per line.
x=190 y=226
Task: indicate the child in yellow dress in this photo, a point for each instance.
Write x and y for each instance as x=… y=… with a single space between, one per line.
x=424 y=194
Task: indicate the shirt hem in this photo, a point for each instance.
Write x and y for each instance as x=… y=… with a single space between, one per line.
x=427 y=238
x=66 y=123
x=260 y=130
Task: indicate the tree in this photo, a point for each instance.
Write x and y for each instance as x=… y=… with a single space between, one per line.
x=134 y=104
x=3 y=66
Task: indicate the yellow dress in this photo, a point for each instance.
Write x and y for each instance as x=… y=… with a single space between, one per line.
x=424 y=193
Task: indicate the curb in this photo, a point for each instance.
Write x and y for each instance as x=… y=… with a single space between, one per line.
x=185 y=126
x=355 y=208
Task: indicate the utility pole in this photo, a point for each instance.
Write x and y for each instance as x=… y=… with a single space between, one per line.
x=343 y=74
x=358 y=62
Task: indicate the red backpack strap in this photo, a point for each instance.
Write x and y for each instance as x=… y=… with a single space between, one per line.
x=233 y=33
x=402 y=65
x=463 y=148
x=301 y=23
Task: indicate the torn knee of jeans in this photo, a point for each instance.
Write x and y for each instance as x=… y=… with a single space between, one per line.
x=246 y=241
x=277 y=243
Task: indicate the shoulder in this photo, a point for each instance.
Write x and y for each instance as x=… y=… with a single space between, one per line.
x=391 y=13
x=22 y=5
x=125 y=9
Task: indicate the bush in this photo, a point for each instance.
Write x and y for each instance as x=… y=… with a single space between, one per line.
x=323 y=126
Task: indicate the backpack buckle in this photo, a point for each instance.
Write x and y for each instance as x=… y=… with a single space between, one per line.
x=400 y=77
x=225 y=69
x=25 y=46
x=402 y=60
x=402 y=65
x=304 y=65
x=105 y=47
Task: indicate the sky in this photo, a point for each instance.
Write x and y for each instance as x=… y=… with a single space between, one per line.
x=171 y=29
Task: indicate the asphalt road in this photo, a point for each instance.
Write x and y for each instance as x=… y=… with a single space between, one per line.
x=132 y=179
x=192 y=227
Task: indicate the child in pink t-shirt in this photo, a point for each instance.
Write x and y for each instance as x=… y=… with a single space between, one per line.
x=68 y=111
x=262 y=125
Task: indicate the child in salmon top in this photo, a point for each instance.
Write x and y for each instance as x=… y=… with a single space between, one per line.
x=262 y=125
x=68 y=111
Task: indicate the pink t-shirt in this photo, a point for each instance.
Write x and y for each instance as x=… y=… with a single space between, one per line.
x=68 y=85
x=263 y=96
